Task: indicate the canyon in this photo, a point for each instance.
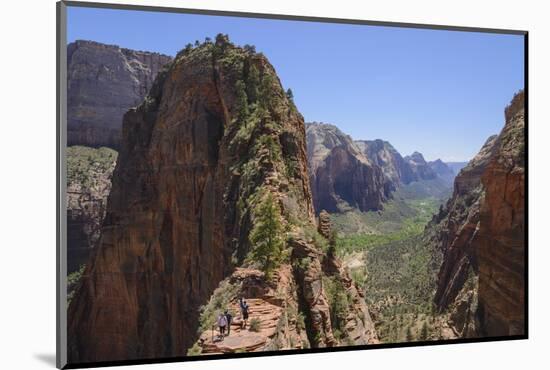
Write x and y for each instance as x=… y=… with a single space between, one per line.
x=171 y=184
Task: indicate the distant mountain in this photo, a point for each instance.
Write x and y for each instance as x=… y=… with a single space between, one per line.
x=363 y=174
x=340 y=174
x=443 y=170
x=384 y=155
x=420 y=168
x=103 y=82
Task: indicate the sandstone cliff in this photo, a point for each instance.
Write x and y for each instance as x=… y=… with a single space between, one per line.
x=103 y=82
x=480 y=234
x=341 y=175
x=500 y=242
x=215 y=136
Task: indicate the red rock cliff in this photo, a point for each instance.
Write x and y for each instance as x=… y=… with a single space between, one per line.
x=480 y=233
x=500 y=242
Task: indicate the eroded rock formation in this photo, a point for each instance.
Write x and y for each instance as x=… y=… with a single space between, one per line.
x=340 y=174
x=103 y=82
x=214 y=137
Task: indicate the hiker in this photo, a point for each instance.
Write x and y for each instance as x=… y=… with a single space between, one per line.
x=229 y=318
x=222 y=323
x=244 y=310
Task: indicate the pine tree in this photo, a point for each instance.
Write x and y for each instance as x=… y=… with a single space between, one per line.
x=242 y=100
x=266 y=95
x=253 y=84
x=290 y=94
x=266 y=236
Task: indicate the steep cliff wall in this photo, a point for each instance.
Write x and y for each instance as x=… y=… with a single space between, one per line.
x=103 y=82
x=480 y=234
x=340 y=174
x=215 y=136
x=500 y=242
x=452 y=232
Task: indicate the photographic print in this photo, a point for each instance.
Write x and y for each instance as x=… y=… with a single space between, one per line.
x=244 y=185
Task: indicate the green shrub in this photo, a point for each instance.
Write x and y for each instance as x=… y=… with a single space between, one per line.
x=254 y=325
x=195 y=350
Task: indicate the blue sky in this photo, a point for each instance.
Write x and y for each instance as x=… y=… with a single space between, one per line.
x=438 y=92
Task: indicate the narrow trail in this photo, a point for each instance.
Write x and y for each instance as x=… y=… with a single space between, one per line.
x=243 y=339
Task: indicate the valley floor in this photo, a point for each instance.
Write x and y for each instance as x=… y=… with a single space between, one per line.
x=388 y=256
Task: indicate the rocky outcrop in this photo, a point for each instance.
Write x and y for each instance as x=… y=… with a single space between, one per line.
x=500 y=243
x=383 y=154
x=89 y=172
x=215 y=136
x=340 y=174
x=480 y=233
x=103 y=82
x=274 y=305
x=324 y=225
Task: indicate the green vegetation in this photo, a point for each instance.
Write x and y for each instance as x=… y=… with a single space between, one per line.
x=388 y=257
x=410 y=216
x=72 y=281
x=339 y=302
x=195 y=350
x=85 y=163
x=267 y=234
x=255 y=325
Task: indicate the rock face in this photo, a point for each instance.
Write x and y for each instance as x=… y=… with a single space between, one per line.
x=103 y=82
x=455 y=228
x=480 y=233
x=340 y=174
x=214 y=137
x=500 y=242
x=89 y=172
x=383 y=154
